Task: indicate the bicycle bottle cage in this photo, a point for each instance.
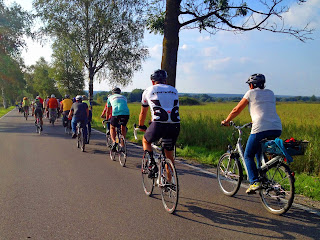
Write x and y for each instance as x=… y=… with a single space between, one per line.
x=167 y=144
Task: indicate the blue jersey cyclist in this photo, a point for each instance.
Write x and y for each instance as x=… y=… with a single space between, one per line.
x=79 y=112
x=163 y=101
x=117 y=103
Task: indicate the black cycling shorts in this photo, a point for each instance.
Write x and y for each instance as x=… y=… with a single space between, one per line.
x=38 y=112
x=158 y=130
x=122 y=119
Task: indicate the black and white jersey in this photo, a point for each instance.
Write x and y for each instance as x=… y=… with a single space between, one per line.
x=163 y=101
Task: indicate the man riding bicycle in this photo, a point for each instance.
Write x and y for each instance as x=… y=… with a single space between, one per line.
x=25 y=105
x=65 y=107
x=107 y=117
x=52 y=107
x=265 y=123
x=37 y=110
x=79 y=112
x=163 y=101
x=117 y=104
x=86 y=101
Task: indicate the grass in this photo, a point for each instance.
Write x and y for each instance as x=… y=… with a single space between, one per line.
x=4 y=111
x=203 y=139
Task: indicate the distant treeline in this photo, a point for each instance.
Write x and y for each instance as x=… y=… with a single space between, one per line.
x=195 y=99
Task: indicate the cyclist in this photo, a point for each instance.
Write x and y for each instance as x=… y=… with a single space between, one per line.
x=86 y=101
x=45 y=104
x=65 y=107
x=25 y=105
x=265 y=123
x=164 y=106
x=118 y=108
x=108 y=117
x=37 y=110
x=79 y=112
x=52 y=106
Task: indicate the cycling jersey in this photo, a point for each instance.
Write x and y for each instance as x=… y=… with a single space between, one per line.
x=88 y=103
x=52 y=103
x=25 y=103
x=119 y=105
x=163 y=100
x=66 y=104
x=37 y=105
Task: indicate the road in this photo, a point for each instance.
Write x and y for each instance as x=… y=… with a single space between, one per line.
x=49 y=189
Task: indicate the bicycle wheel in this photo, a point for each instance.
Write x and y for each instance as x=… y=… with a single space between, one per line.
x=169 y=186
x=147 y=183
x=122 y=152
x=277 y=192
x=82 y=142
x=229 y=174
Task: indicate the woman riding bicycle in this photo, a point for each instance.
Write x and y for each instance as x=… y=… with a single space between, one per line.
x=265 y=123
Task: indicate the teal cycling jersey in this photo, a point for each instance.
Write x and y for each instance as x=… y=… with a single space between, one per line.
x=119 y=105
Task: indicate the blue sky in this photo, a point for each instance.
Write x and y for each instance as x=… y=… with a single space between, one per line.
x=221 y=63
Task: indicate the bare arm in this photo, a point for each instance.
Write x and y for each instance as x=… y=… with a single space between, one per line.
x=236 y=111
x=143 y=115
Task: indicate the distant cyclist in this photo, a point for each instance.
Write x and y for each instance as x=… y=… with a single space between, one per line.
x=86 y=101
x=25 y=105
x=52 y=107
x=65 y=107
x=163 y=101
x=117 y=104
x=107 y=117
x=265 y=123
x=37 y=110
x=79 y=112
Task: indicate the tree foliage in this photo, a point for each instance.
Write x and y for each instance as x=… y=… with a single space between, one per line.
x=107 y=34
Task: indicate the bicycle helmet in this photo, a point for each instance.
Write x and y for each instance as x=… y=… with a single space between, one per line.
x=37 y=97
x=84 y=97
x=53 y=96
x=66 y=96
x=78 y=97
x=159 y=75
x=257 y=80
x=116 y=90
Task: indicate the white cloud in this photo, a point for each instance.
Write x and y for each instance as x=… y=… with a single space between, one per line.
x=217 y=64
x=300 y=15
x=210 y=51
x=203 y=38
x=184 y=47
x=156 y=51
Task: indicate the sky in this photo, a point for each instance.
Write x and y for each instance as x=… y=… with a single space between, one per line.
x=222 y=63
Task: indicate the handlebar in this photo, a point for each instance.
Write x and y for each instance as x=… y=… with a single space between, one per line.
x=104 y=122
x=135 y=130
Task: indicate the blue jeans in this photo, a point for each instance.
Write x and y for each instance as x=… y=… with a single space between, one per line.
x=254 y=148
x=74 y=122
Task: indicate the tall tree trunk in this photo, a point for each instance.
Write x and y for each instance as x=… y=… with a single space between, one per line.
x=91 y=76
x=4 y=102
x=171 y=40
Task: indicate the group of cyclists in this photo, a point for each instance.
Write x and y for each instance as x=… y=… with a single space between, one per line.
x=163 y=101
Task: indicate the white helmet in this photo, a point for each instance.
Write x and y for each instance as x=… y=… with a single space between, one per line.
x=78 y=97
x=53 y=96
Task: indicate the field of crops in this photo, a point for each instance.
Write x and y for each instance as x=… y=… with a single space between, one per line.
x=202 y=136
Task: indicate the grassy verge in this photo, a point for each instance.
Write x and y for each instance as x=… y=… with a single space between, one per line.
x=5 y=111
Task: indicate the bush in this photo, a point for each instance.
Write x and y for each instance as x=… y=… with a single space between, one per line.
x=188 y=101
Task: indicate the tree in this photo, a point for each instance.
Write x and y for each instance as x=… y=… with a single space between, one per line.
x=44 y=84
x=107 y=34
x=14 y=24
x=67 y=69
x=213 y=16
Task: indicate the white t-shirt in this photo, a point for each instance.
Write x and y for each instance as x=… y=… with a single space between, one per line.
x=163 y=100
x=262 y=108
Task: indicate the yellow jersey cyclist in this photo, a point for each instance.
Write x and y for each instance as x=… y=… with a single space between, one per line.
x=37 y=110
x=25 y=105
x=163 y=101
x=117 y=104
x=65 y=107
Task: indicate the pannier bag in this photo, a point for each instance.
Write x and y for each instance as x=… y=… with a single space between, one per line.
x=295 y=147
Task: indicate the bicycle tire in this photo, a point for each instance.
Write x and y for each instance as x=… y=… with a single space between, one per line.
x=277 y=192
x=147 y=183
x=229 y=174
x=82 y=142
x=169 y=188
x=78 y=137
x=122 y=151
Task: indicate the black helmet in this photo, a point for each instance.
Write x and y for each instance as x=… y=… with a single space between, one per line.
x=116 y=90
x=159 y=75
x=257 y=80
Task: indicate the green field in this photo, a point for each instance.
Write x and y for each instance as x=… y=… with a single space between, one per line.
x=202 y=138
x=5 y=111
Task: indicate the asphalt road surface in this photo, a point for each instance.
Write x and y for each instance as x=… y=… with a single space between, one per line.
x=49 y=189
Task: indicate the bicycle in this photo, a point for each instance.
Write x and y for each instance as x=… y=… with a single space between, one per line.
x=38 y=125
x=166 y=170
x=121 y=148
x=108 y=137
x=26 y=112
x=67 y=123
x=277 y=180
x=53 y=116
x=80 y=137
